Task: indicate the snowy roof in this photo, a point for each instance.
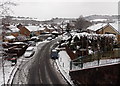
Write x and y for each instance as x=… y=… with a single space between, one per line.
x=79 y=35
x=13 y=28
x=50 y=28
x=55 y=32
x=34 y=28
x=96 y=26
x=18 y=43
x=95 y=20
x=10 y=37
x=41 y=28
x=116 y=26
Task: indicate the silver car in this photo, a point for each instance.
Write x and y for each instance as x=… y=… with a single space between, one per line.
x=29 y=52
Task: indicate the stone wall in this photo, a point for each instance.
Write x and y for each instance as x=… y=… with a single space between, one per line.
x=104 y=75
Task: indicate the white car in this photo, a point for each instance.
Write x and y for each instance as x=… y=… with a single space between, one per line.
x=49 y=38
x=29 y=52
x=35 y=37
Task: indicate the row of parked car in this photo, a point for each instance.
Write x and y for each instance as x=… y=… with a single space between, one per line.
x=17 y=49
x=12 y=51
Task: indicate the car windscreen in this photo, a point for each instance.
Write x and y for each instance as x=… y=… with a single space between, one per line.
x=54 y=54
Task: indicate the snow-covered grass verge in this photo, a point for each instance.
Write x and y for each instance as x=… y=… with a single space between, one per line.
x=63 y=64
x=7 y=72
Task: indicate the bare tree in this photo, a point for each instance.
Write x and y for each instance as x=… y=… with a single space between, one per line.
x=5 y=9
x=82 y=23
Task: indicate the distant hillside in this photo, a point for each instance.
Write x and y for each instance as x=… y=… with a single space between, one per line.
x=35 y=21
x=23 y=20
x=92 y=17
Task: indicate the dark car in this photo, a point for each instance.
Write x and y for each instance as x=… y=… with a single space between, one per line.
x=31 y=43
x=54 y=54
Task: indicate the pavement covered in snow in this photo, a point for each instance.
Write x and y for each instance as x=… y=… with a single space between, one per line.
x=63 y=64
x=7 y=71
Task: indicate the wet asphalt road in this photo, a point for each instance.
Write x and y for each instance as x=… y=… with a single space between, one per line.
x=42 y=71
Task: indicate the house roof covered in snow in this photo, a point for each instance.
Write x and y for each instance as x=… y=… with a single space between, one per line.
x=50 y=28
x=10 y=37
x=55 y=32
x=116 y=26
x=96 y=20
x=13 y=28
x=96 y=26
x=34 y=28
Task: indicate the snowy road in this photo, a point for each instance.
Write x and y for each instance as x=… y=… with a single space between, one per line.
x=42 y=71
x=21 y=76
x=39 y=69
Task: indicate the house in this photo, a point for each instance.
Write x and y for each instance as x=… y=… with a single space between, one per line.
x=13 y=30
x=23 y=30
x=48 y=29
x=9 y=32
x=109 y=28
x=35 y=30
x=9 y=38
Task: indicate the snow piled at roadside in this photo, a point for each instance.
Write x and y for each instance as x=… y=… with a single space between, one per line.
x=7 y=70
x=63 y=64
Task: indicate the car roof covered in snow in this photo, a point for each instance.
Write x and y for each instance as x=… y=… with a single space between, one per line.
x=30 y=48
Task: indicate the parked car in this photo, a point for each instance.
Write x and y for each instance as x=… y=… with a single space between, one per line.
x=35 y=38
x=49 y=38
x=32 y=43
x=29 y=52
x=54 y=54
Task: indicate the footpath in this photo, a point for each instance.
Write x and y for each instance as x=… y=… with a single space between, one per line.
x=63 y=64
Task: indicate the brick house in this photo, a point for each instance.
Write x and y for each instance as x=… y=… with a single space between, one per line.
x=23 y=30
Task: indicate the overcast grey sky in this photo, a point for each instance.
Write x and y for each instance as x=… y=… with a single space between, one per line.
x=47 y=9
